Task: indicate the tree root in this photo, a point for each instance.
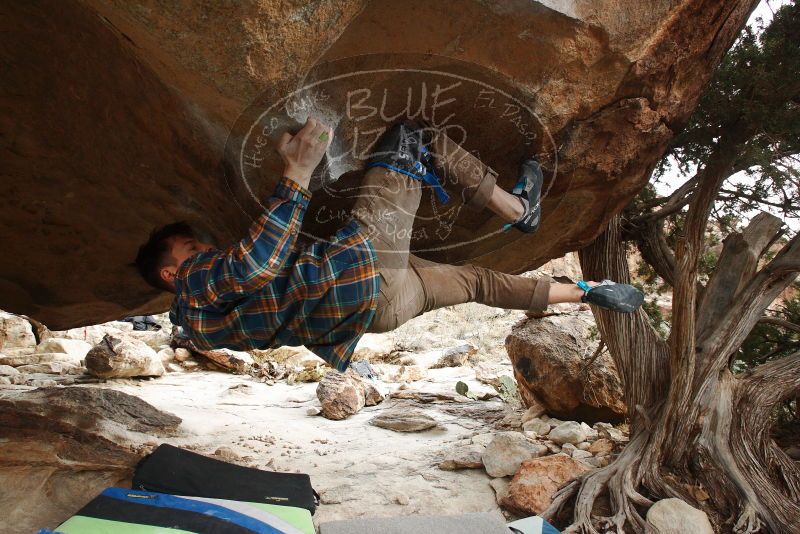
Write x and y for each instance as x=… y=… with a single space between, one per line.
x=619 y=480
x=749 y=522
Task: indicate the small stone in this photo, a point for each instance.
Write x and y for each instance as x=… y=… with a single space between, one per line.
x=503 y=456
x=541 y=428
x=181 y=354
x=341 y=395
x=554 y=422
x=7 y=370
x=76 y=348
x=591 y=433
x=455 y=356
x=584 y=445
x=569 y=432
x=534 y=411
x=597 y=461
x=167 y=355
x=313 y=411
x=581 y=455
x=674 y=516
x=404 y=420
x=602 y=445
x=401 y=499
x=227 y=454
x=568 y=448
x=606 y=430
x=466 y=457
x=43 y=383
x=552 y=447
x=6 y=380
x=190 y=364
x=47 y=368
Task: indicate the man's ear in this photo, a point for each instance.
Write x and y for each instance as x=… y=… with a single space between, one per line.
x=167 y=273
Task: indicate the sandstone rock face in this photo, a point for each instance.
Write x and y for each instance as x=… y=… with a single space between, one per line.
x=121 y=116
x=532 y=488
x=118 y=357
x=550 y=357
x=674 y=516
x=60 y=446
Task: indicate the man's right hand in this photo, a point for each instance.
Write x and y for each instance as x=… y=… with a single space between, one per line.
x=302 y=152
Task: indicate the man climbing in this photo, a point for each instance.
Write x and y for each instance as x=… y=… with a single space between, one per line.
x=268 y=290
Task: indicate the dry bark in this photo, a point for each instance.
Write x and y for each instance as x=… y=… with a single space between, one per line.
x=712 y=429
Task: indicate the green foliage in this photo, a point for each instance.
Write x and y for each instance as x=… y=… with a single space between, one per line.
x=756 y=90
x=768 y=341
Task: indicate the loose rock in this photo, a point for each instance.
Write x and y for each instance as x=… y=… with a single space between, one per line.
x=404 y=420
x=602 y=445
x=341 y=395
x=535 y=410
x=75 y=348
x=468 y=457
x=506 y=452
x=117 y=356
x=455 y=356
x=674 y=516
x=7 y=370
x=541 y=428
x=569 y=432
x=182 y=354
x=608 y=431
x=532 y=488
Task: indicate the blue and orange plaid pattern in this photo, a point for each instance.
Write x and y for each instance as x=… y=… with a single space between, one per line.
x=268 y=290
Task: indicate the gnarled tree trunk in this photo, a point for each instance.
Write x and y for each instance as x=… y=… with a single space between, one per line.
x=694 y=424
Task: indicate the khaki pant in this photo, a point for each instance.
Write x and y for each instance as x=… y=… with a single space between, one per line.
x=410 y=285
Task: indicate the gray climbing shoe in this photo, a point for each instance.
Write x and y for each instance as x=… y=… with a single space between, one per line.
x=623 y=298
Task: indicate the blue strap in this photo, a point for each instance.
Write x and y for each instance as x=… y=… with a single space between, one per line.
x=583 y=285
x=429 y=178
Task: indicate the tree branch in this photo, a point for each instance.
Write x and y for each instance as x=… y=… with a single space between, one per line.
x=736 y=265
x=749 y=304
x=783 y=323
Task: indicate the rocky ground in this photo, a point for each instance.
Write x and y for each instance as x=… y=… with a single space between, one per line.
x=442 y=430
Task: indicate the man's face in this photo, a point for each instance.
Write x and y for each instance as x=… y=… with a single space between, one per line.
x=182 y=248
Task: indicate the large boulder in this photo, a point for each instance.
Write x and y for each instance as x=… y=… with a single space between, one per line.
x=61 y=446
x=122 y=116
x=551 y=358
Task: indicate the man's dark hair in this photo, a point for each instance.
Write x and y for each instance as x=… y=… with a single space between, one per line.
x=155 y=254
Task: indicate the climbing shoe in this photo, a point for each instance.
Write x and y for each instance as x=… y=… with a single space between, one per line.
x=623 y=298
x=404 y=149
x=528 y=190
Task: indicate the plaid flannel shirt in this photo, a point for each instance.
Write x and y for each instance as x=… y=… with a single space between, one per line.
x=267 y=290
